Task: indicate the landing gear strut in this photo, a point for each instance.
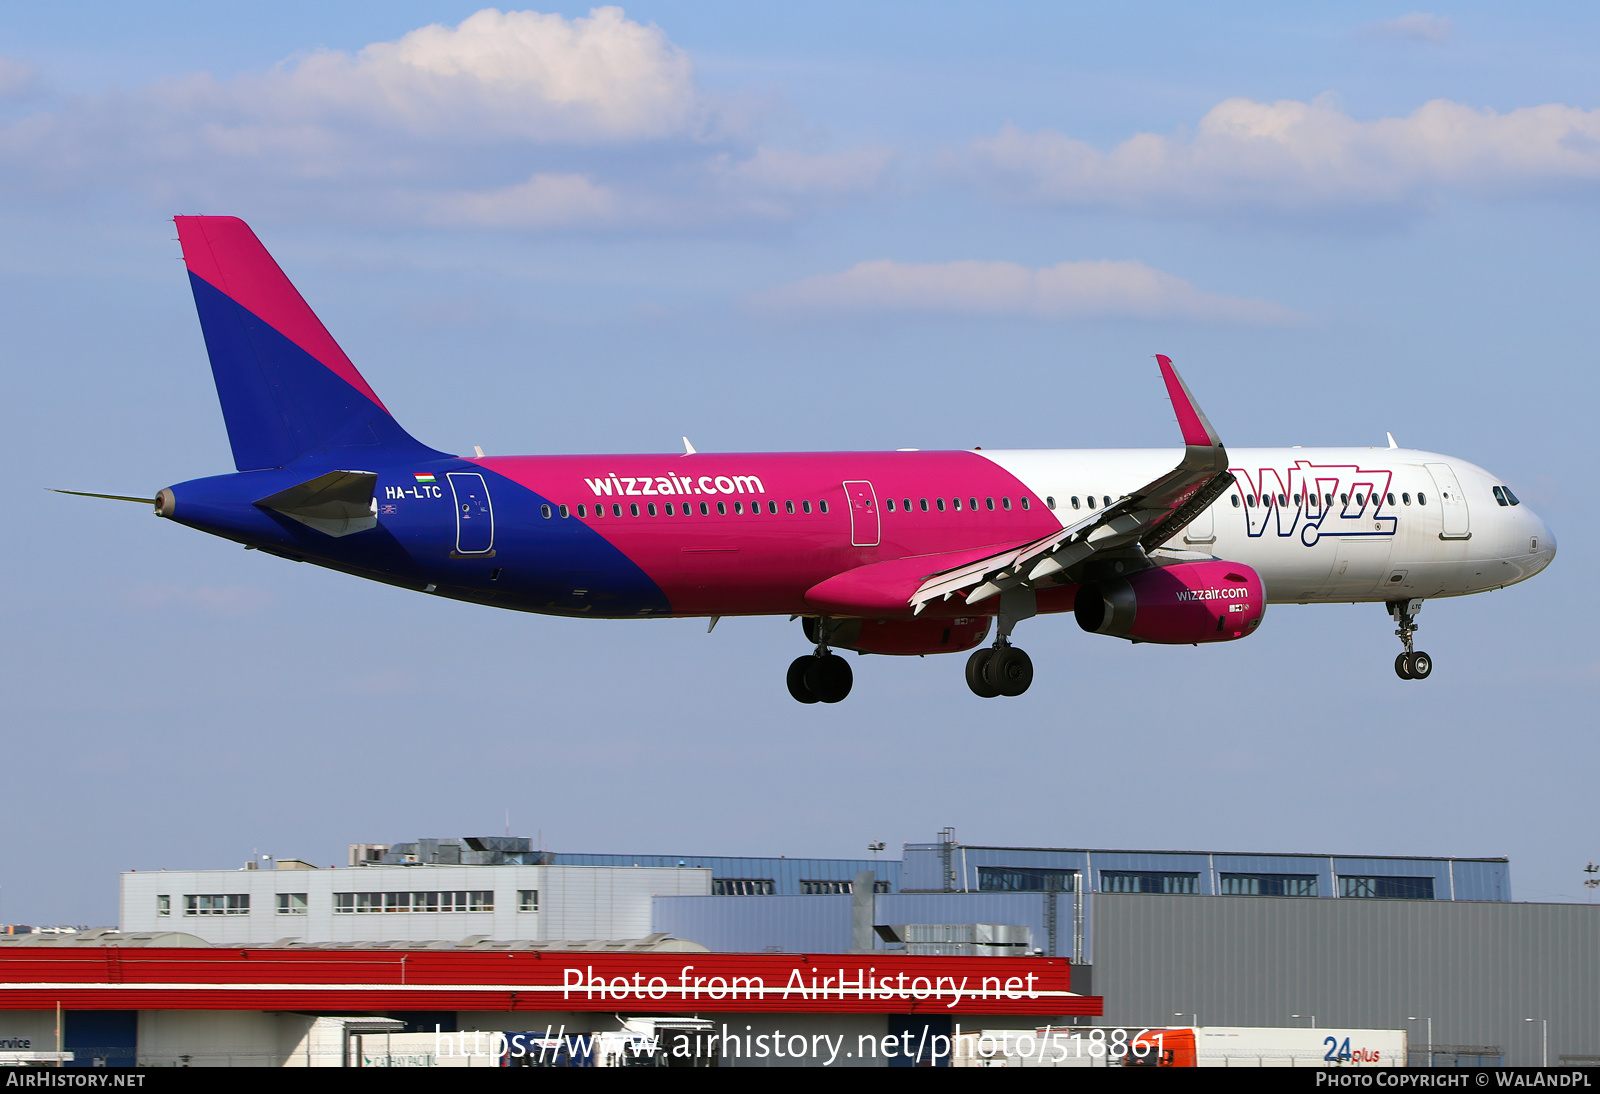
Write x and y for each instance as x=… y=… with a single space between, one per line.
x=1003 y=669
x=820 y=677
x=1410 y=665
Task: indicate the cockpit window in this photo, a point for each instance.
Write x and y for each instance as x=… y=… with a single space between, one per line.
x=1512 y=498
x=1500 y=495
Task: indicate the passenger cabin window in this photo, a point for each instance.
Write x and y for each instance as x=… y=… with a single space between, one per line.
x=972 y=503
x=905 y=504
x=544 y=511
x=1075 y=501
x=1406 y=498
x=1025 y=501
x=1422 y=499
x=822 y=505
x=940 y=503
x=788 y=507
x=1050 y=503
x=1235 y=499
x=889 y=504
x=705 y=511
x=955 y=503
x=922 y=503
x=805 y=506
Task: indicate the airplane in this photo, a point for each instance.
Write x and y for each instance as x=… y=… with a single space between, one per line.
x=899 y=553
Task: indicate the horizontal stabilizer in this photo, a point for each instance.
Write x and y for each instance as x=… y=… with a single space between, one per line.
x=339 y=503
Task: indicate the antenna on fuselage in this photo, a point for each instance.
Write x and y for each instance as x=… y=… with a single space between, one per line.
x=688 y=449
x=1391 y=440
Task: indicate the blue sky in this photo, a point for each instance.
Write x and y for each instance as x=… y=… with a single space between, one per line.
x=781 y=228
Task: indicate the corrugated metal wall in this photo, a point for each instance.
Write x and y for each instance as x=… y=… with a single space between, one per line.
x=1477 y=969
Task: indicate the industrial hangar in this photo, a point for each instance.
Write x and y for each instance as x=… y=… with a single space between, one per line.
x=282 y=962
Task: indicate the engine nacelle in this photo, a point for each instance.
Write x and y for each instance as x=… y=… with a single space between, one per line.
x=1184 y=603
x=903 y=636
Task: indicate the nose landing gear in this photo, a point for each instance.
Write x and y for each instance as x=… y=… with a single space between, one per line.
x=1410 y=665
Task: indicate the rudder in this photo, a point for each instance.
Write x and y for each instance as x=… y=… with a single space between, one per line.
x=287 y=389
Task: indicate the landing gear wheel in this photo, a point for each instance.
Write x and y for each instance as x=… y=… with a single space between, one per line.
x=1421 y=665
x=978 y=677
x=797 y=679
x=1402 y=665
x=1011 y=670
x=828 y=678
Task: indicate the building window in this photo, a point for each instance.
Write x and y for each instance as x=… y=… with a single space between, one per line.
x=163 y=905
x=1015 y=879
x=1129 y=881
x=476 y=900
x=527 y=900
x=742 y=886
x=1268 y=884
x=291 y=904
x=1387 y=888
x=825 y=888
x=216 y=904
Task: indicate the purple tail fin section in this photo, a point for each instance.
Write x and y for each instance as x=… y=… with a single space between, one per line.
x=287 y=390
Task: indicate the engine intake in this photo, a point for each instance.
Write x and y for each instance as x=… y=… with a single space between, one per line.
x=1181 y=604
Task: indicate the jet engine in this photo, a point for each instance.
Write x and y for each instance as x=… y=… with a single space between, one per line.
x=1181 y=604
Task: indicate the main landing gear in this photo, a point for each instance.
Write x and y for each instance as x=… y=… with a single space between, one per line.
x=1410 y=665
x=999 y=670
x=1002 y=669
x=820 y=677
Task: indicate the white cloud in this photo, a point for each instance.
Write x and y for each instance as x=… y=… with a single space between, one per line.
x=787 y=171
x=515 y=120
x=522 y=73
x=544 y=201
x=1069 y=290
x=18 y=80
x=1418 y=26
x=1294 y=157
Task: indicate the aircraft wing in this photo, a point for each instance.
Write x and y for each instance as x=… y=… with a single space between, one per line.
x=1138 y=522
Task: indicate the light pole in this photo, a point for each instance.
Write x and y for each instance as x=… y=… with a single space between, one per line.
x=1313 y=1018
x=1544 y=1040
x=1414 y=1018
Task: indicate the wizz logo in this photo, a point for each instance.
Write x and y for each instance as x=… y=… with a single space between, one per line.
x=1316 y=500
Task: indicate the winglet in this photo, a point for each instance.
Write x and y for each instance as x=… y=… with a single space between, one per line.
x=1197 y=431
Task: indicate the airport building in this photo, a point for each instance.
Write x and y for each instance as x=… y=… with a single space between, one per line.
x=1431 y=946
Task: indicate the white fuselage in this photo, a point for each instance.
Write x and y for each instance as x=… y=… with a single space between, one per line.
x=1335 y=535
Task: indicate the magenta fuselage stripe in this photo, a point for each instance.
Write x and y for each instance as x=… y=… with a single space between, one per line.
x=225 y=253
x=745 y=562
